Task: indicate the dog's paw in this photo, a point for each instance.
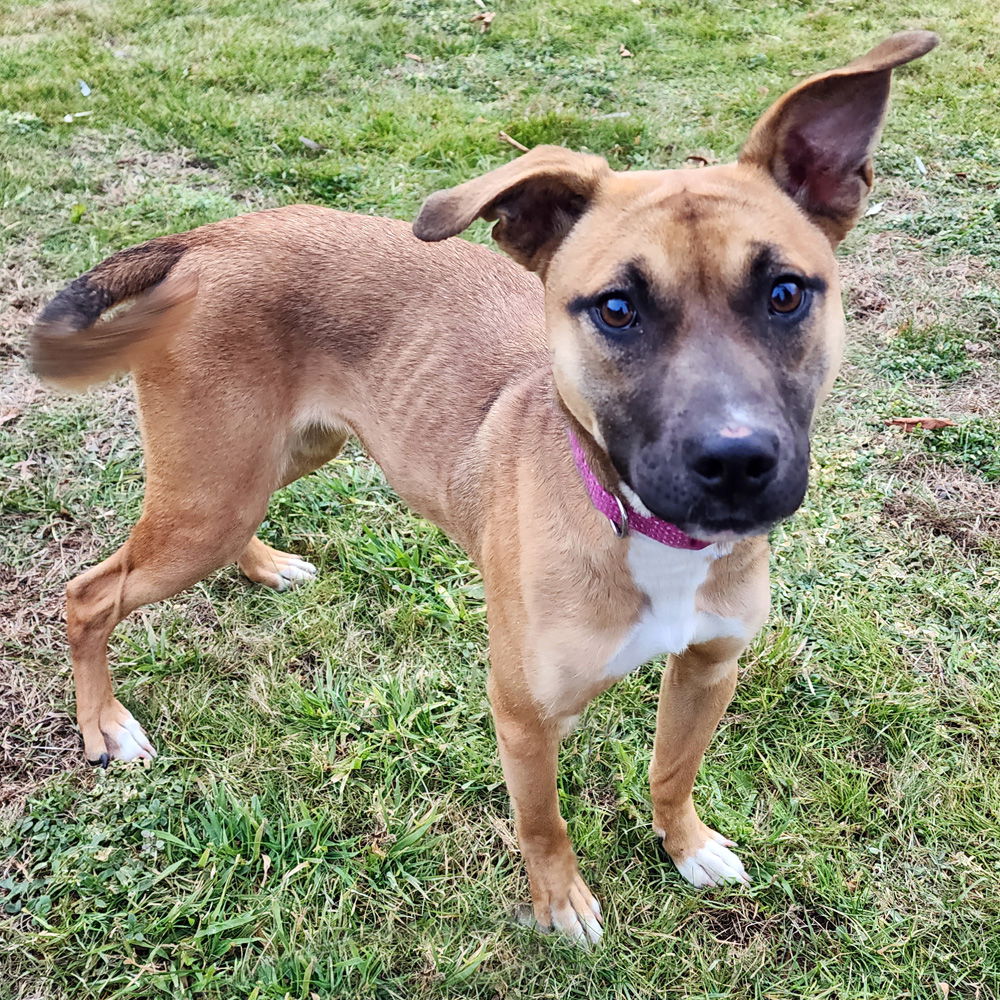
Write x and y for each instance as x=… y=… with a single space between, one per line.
x=710 y=864
x=115 y=736
x=294 y=571
x=575 y=914
x=274 y=568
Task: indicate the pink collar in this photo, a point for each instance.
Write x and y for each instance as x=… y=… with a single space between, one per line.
x=622 y=515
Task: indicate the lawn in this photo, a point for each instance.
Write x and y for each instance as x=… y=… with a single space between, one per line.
x=327 y=816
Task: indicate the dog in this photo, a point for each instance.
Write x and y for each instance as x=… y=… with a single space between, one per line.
x=610 y=443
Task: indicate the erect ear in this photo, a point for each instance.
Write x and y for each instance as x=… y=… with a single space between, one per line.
x=817 y=140
x=535 y=200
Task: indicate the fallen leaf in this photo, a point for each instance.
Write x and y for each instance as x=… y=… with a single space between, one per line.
x=413 y=56
x=485 y=19
x=311 y=144
x=624 y=52
x=920 y=166
x=875 y=209
x=265 y=860
x=927 y=423
x=9 y=414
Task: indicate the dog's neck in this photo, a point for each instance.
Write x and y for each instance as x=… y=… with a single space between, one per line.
x=621 y=512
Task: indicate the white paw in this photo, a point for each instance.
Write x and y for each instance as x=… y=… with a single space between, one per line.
x=294 y=572
x=713 y=864
x=579 y=920
x=125 y=738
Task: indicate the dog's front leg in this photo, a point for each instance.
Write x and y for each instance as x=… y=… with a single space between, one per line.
x=697 y=687
x=529 y=747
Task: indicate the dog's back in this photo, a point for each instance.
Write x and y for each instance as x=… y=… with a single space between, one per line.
x=313 y=319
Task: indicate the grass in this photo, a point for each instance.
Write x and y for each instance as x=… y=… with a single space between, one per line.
x=327 y=816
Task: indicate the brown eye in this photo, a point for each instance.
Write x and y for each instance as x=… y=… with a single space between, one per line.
x=615 y=312
x=786 y=296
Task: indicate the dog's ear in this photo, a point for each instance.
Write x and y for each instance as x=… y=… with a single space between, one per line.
x=535 y=200
x=817 y=140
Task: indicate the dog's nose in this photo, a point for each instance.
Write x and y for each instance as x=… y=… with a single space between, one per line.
x=729 y=465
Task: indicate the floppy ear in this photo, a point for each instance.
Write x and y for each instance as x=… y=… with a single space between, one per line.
x=817 y=140
x=535 y=200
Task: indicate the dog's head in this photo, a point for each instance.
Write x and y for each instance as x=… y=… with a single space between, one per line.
x=694 y=315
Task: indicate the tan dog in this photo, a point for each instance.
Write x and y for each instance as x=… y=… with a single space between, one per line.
x=662 y=387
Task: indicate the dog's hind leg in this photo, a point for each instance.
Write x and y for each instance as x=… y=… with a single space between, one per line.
x=207 y=491
x=170 y=549
x=272 y=567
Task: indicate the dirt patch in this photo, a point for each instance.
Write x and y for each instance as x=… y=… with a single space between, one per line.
x=22 y=291
x=946 y=501
x=887 y=282
x=977 y=394
x=126 y=170
x=740 y=923
x=36 y=740
x=19 y=389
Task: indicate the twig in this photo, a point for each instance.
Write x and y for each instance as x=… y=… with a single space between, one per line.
x=503 y=137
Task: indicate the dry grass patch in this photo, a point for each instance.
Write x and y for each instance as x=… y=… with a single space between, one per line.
x=946 y=501
x=888 y=282
x=36 y=741
x=118 y=174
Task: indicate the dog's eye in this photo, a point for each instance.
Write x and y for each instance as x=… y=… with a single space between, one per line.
x=615 y=312
x=787 y=296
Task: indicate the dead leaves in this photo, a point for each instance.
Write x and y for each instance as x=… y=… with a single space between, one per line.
x=925 y=423
x=484 y=18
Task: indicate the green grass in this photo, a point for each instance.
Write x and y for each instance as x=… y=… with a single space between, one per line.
x=973 y=444
x=327 y=815
x=937 y=352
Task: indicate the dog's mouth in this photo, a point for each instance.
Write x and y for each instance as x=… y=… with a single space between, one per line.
x=729 y=528
x=726 y=529
x=717 y=520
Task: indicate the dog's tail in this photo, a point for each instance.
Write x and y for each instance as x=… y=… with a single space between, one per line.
x=71 y=346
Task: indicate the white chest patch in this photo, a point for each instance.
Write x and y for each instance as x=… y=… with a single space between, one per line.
x=669 y=578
